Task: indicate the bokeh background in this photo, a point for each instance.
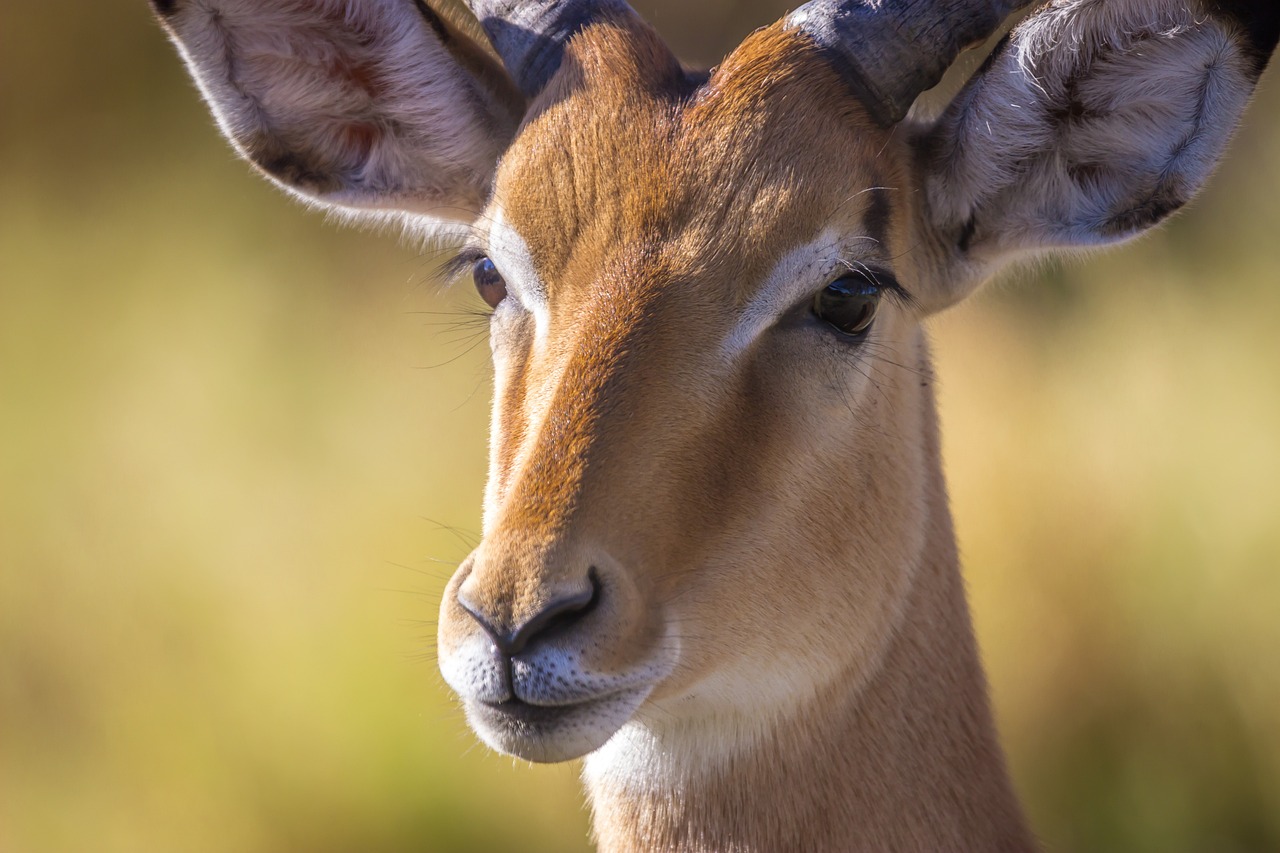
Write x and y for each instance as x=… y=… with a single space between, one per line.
x=241 y=448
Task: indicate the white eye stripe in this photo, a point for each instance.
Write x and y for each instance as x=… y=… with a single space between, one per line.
x=509 y=252
x=800 y=272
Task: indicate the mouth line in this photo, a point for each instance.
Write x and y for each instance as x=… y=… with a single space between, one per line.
x=524 y=710
x=547 y=733
x=519 y=711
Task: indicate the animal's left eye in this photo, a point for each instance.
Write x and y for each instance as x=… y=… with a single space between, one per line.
x=489 y=282
x=848 y=304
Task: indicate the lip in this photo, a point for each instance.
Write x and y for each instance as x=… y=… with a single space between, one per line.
x=523 y=712
x=520 y=712
x=545 y=733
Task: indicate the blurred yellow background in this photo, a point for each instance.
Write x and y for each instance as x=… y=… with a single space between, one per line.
x=240 y=450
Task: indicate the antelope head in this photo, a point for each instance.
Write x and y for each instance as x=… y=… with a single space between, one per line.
x=714 y=492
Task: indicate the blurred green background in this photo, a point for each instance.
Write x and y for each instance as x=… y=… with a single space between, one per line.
x=240 y=449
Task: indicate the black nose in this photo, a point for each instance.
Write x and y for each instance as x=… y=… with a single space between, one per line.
x=560 y=613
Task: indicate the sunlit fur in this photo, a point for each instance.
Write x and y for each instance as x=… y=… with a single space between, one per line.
x=1095 y=122
x=779 y=656
x=375 y=107
x=771 y=523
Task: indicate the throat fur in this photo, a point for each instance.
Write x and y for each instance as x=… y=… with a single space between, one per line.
x=907 y=760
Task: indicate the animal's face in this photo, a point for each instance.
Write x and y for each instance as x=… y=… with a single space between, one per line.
x=713 y=440
x=684 y=297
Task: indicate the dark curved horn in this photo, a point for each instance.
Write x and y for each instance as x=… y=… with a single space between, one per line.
x=530 y=35
x=892 y=50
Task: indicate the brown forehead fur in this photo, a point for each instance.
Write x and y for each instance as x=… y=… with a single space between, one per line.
x=646 y=199
x=625 y=152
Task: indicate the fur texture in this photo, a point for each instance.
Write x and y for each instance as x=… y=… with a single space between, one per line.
x=376 y=106
x=771 y=648
x=1091 y=123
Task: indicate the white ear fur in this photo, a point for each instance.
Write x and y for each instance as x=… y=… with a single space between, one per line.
x=1089 y=125
x=373 y=107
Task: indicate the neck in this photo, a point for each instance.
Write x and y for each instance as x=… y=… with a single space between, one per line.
x=908 y=760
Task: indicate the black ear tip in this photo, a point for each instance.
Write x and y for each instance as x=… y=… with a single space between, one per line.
x=1260 y=19
x=164 y=8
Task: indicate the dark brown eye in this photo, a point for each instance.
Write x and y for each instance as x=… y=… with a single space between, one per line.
x=489 y=282
x=848 y=304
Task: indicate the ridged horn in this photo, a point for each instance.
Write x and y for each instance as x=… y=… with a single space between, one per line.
x=529 y=35
x=892 y=50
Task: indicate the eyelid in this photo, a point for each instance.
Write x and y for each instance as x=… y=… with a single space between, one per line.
x=880 y=276
x=461 y=263
x=884 y=280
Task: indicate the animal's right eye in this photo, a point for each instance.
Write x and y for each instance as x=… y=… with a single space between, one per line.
x=489 y=282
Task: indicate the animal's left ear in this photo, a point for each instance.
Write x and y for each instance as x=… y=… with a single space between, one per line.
x=1092 y=122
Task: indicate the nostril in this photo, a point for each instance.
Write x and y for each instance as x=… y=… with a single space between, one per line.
x=476 y=612
x=560 y=613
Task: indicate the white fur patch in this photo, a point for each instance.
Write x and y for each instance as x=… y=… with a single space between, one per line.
x=356 y=105
x=510 y=253
x=803 y=270
x=1096 y=121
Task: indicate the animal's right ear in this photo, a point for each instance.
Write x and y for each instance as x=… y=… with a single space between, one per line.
x=377 y=107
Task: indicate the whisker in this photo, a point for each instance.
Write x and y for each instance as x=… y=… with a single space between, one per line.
x=469 y=538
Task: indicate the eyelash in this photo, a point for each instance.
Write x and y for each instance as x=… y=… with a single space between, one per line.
x=460 y=264
x=882 y=278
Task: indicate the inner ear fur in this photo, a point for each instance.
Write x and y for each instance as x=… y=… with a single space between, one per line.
x=375 y=107
x=1089 y=124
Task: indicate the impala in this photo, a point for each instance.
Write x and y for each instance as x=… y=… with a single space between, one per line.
x=717 y=557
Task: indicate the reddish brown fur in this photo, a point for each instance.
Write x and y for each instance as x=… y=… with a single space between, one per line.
x=718 y=556
x=653 y=208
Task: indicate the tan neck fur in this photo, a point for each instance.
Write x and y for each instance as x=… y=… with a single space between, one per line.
x=907 y=761
x=717 y=555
